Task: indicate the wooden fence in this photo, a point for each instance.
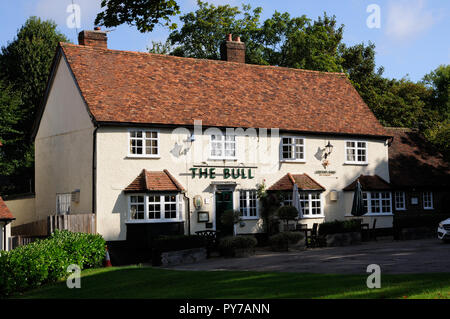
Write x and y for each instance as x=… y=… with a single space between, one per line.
x=26 y=233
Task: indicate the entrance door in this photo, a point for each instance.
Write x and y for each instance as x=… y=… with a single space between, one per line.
x=224 y=202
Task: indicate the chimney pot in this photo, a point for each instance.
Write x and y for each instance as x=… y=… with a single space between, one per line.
x=233 y=51
x=97 y=28
x=93 y=38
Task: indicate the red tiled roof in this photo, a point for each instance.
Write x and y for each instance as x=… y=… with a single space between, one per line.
x=149 y=181
x=369 y=183
x=304 y=182
x=414 y=162
x=5 y=213
x=133 y=87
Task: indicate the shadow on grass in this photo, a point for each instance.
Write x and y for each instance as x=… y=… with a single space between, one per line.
x=147 y=282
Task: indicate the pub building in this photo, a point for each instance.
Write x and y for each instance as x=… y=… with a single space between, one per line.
x=157 y=144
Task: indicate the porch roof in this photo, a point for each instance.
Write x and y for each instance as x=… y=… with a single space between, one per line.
x=5 y=213
x=369 y=182
x=303 y=181
x=151 y=181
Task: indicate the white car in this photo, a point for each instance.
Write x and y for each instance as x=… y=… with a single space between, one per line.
x=444 y=230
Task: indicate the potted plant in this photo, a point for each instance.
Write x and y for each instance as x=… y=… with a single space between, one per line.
x=287 y=213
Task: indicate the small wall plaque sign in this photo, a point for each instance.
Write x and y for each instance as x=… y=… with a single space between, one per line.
x=203 y=217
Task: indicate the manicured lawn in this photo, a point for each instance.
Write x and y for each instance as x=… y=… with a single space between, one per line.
x=147 y=282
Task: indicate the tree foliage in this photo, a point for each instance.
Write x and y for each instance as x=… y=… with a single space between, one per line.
x=299 y=42
x=280 y=40
x=10 y=111
x=144 y=14
x=24 y=68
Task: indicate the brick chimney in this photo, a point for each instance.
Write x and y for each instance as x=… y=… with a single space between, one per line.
x=93 y=38
x=233 y=50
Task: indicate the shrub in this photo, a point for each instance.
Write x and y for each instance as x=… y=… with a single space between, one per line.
x=287 y=213
x=46 y=260
x=282 y=241
x=340 y=226
x=229 y=245
x=230 y=217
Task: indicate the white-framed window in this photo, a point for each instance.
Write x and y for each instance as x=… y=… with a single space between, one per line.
x=287 y=199
x=63 y=201
x=223 y=146
x=154 y=207
x=143 y=143
x=137 y=207
x=427 y=200
x=377 y=203
x=292 y=148
x=356 y=152
x=400 y=202
x=248 y=204
x=310 y=202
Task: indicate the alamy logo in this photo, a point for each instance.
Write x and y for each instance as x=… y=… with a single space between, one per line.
x=74 y=19
x=74 y=280
x=374 y=19
x=374 y=279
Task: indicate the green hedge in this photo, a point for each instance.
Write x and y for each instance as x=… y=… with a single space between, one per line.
x=340 y=226
x=45 y=261
x=282 y=241
x=228 y=246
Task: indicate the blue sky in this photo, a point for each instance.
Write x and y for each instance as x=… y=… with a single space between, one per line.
x=412 y=40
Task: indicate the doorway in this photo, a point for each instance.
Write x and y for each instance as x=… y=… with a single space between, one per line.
x=224 y=202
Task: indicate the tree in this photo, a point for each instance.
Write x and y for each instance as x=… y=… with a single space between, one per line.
x=281 y=40
x=439 y=81
x=287 y=213
x=24 y=68
x=10 y=103
x=144 y=14
x=438 y=132
x=205 y=29
x=313 y=46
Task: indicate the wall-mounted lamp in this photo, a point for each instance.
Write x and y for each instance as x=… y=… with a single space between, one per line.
x=328 y=149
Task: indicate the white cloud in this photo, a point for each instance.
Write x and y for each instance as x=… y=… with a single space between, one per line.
x=408 y=19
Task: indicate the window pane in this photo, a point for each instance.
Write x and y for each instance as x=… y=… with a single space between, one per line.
x=154 y=207
x=243 y=203
x=137 y=210
x=351 y=155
